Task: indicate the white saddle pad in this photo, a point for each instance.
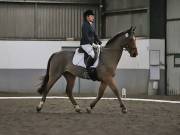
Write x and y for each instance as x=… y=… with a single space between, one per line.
x=78 y=59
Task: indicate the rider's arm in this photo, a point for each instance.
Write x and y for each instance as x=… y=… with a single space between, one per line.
x=96 y=39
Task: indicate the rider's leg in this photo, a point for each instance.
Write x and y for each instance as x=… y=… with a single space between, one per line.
x=90 y=51
x=90 y=61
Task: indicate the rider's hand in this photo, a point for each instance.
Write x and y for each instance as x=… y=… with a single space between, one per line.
x=99 y=42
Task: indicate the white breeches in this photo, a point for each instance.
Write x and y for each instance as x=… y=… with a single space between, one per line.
x=89 y=49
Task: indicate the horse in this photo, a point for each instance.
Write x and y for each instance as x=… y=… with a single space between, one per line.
x=60 y=64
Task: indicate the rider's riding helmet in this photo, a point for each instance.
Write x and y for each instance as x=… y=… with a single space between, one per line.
x=87 y=13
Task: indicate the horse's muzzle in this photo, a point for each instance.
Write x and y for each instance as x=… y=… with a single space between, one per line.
x=134 y=53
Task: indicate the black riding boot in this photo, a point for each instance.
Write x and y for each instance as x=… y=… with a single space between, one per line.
x=90 y=62
x=91 y=71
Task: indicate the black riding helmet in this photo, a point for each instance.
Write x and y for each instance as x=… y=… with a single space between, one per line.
x=87 y=13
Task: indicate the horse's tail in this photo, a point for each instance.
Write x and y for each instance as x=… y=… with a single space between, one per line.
x=45 y=78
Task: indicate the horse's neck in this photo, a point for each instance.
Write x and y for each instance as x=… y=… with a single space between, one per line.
x=112 y=57
x=112 y=54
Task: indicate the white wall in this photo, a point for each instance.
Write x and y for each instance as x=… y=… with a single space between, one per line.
x=35 y=54
x=29 y=54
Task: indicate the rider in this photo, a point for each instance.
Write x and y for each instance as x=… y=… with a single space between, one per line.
x=89 y=37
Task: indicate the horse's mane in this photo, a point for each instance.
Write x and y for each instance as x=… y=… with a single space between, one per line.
x=116 y=36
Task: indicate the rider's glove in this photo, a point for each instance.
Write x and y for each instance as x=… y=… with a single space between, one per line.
x=99 y=42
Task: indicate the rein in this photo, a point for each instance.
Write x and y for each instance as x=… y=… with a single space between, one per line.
x=121 y=49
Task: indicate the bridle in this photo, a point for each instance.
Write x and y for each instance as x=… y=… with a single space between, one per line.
x=127 y=45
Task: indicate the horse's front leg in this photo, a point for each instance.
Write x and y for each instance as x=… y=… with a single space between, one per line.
x=113 y=87
x=99 y=96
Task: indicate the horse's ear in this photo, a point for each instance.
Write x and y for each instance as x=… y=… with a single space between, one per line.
x=133 y=28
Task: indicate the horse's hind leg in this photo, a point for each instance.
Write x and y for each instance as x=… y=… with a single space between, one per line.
x=113 y=87
x=99 y=96
x=49 y=85
x=69 y=88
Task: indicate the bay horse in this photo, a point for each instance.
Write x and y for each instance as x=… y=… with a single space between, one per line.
x=60 y=64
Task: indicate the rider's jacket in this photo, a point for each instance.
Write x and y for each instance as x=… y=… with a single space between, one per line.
x=89 y=34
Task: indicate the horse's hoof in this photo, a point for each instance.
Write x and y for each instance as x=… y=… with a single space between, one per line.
x=77 y=109
x=124 y=110
x=38 y=109
x=88 y=110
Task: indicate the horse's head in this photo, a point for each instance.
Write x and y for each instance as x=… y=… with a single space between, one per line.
x=124 y=40
x=130 y=45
